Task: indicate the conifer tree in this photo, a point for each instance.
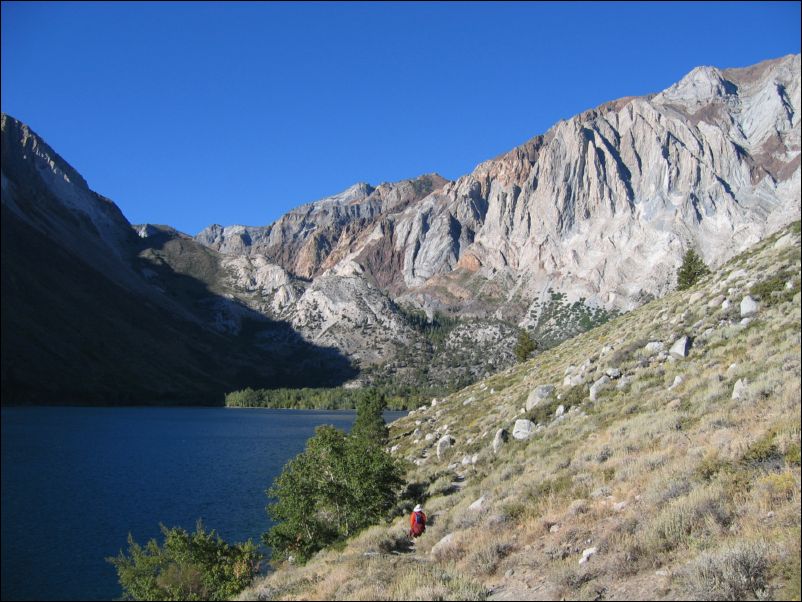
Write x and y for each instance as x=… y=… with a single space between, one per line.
x=691 y=270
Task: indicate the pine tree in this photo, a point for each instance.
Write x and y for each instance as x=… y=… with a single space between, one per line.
x=691 y=270
x=525 y=346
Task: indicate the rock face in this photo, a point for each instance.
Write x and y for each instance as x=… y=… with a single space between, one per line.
x=580 y=208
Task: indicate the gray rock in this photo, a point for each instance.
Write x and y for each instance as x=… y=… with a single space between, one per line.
x=726 y=304
x=597 y=386
x=695 y=297
x=429 y=436
x=716 y=301
x=653 y=347
x=748 y=306
x=417 y=434
x=740 y=390
x=586 y=554
x=537 y=395
x=445 y=442
x=523 y=429
x=469 y=401
x=560 y=411
x=681 y=347
x=477 y=505
x=613 y=372
x=676 y=383
x=443 y=545
x=500 y=439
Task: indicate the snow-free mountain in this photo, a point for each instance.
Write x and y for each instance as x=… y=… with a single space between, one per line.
x=587 y=219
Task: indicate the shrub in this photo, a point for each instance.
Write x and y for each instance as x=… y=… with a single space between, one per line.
x=197 y=566
x=739 y=572
x=525 y=346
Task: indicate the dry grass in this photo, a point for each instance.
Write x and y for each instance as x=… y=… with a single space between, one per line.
x=686 y=481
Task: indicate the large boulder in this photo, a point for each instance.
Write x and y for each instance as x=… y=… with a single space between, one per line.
x=523 y=429
x=748 y=306
x=537 y=395
x=681 y=347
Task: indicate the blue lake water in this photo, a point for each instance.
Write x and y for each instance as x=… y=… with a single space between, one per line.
x=76 y=481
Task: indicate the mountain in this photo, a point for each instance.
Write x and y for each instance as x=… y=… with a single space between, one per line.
x=656 y=457
x=424 y=282
x=589 y=219
x=94 y=313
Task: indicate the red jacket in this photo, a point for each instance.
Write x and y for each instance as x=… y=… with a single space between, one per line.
x=417 y=523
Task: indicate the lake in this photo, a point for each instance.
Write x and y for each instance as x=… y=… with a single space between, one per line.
x=76 y=481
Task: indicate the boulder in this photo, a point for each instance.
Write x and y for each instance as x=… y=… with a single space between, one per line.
x=740 y=389
x=597 y=386
x=477 y=505
x=695 y=297
x=500 y=439
x=443 y=444
x=681 y=347
x=677 y=382
x=653 y=347
x=523 y=429
x=748 y=306
x=586 y=554
x=560 y=411
x=444 y=544
x=537 y=395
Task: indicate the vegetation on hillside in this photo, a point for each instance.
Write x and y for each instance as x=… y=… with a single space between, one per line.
x=680 y=480
x=188 y=566
x=337 y=486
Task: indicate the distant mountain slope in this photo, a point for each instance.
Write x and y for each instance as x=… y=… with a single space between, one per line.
x=92 y=313
x=656 y=457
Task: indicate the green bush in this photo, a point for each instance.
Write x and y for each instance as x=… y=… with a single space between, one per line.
x=189 y=566
x=525 y=346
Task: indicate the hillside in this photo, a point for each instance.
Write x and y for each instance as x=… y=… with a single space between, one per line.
x=656 y=467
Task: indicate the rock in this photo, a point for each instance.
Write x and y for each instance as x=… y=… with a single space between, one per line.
x=523 y=429
x=586 y=554
x=394 y=449
x=466 y=460
x=745 y=322
x=429 y=436
x=597 y=386
x=500 y=439
x=474 y=458
x=619 y=506
x=748 y=306
x=716 y=301
x=731 y=370
x=443 y=444
x=509 y=573
x=469 y=401
x=623 y=383
x=554 y=528
x=434 y=402
x=560 y=411
x=740 y=390
x=676 y=383
x=737 y=275
x=726 y=304
x=613 y=372
x=653 y=347
x=681 y=347
x=417 y=434
x=695 y=297
x=537 y=395
x=786 y=240
x=443 y=545
x=789 y=285
x=477 y=505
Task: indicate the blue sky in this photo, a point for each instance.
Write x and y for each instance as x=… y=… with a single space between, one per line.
x=196 y=113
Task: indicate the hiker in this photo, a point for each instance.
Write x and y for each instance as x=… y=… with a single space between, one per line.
x=417 y=522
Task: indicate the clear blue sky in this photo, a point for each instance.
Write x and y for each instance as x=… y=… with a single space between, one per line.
x=191 y=114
